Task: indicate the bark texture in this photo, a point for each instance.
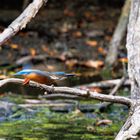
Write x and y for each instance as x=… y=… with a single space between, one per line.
x=133 y=49
x=131 y=129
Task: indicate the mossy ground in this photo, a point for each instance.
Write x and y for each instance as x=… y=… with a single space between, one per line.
x=47 y=125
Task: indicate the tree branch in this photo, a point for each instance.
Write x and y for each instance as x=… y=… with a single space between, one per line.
x=118 y=34
x=131 y=128
x=113 y=92
x=62 y=96
x=70 y=91
x=107 y=83
x=21 y=21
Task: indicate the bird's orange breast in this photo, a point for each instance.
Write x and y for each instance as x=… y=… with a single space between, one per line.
x=40 y=79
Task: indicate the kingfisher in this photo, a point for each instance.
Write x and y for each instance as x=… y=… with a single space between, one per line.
x=42 y=77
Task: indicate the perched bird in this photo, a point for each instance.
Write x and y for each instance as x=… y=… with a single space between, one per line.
x=43 y=77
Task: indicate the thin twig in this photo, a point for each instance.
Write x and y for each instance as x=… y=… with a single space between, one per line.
x=113 y=92
x=115 y=89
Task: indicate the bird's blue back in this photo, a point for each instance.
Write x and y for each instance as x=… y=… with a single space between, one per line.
x=43 y=73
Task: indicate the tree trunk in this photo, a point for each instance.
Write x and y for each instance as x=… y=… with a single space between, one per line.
x=131 y=129
x=118 y=34
x=133 y=48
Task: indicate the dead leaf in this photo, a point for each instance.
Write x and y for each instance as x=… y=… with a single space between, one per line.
x=77 y=34
x=48 y=51
x=89 y=16
x=32 y=51
x=104 y=122
x=50 y=67
x=92 y=43
x=102 y=51
x=94 y=64
x=123 y=60
x=71 y=63
x=63 y=56
x=14 y=46
x=95 y=89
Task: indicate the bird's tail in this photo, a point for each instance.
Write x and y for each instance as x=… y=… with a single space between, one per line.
x=63 y=74
x=69 y=74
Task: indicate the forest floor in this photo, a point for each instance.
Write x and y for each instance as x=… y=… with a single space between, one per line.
x=66 y=36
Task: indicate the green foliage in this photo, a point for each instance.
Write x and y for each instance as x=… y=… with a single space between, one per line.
x=46 y=125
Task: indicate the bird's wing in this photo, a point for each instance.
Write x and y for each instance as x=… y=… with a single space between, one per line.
x=49 y=75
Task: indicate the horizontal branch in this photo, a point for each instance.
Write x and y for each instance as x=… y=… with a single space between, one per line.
x=61 y=96
x=21 y=22
x=70 y=91
x=106 y=83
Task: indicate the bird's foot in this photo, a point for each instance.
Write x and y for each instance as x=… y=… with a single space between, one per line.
x=26 y=81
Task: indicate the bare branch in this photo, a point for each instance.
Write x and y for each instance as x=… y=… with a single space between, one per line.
x=106 y=83
x=21 y=22
x=71 y=91
x=118 y=34
x=113 y=92
x=115 y=89
x=62 y=96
